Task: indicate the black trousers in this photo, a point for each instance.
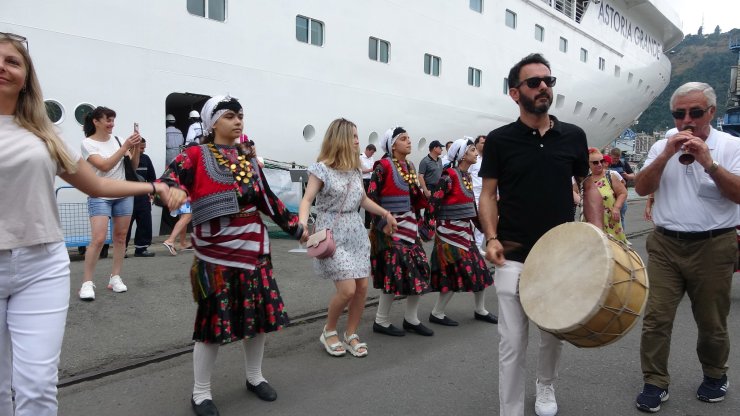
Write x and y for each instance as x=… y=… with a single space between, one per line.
x=143 y=216
x=366 y=184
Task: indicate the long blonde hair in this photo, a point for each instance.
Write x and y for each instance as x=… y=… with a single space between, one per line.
x=30 y=113
x=338 y=148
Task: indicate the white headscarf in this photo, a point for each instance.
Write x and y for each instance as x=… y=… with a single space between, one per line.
x=458 y=149
x=386 y=143
x=221 y=104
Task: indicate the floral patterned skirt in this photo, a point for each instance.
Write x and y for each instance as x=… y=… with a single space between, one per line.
x=457 y=270
x=246 y=304
x=398 y=267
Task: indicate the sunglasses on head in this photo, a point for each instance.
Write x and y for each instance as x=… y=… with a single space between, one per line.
x=598 y=162
x=534 y=82
x=13 y=36
x=694 y=113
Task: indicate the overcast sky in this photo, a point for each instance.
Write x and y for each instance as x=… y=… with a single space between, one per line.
x=725 y=13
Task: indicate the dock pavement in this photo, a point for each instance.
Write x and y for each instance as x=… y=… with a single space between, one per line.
x=130 y=353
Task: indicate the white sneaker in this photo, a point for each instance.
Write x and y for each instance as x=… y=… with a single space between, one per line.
x=87 y=291
x=545 y=405
x=116 y=284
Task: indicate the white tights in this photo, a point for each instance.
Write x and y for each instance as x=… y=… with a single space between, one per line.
x=382 y=317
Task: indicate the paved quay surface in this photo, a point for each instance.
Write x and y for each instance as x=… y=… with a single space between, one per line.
x=128 y=354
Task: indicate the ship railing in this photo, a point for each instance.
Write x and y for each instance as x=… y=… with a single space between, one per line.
x=574 y=9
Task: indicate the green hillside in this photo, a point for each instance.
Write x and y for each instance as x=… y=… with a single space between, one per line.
x=697 y=58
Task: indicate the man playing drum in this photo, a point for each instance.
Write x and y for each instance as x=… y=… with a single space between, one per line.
x=530 y=163
x=692 y=249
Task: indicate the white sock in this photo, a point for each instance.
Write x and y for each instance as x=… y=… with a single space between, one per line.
x=383 y=315
x=254 y=349
x=204 y=359
x=441 y=305
x=480 y=302
x=412 y=309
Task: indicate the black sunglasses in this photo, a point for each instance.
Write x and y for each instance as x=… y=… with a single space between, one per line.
x=534 y=82
x=13 y=36
x=694 y=113
x=598 y=162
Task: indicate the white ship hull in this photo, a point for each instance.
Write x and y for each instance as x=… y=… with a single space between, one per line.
x=132 y=55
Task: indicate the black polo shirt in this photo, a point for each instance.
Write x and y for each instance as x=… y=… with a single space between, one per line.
x=534 y=179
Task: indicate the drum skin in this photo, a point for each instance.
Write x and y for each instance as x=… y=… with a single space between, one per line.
x=583 y=286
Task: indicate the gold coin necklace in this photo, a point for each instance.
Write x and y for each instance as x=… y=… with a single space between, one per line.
x=242 y=172
x=410 y=176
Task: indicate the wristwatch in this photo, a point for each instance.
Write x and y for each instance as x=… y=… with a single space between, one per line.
x=712 y=168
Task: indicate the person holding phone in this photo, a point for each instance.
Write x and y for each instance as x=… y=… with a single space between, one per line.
x=105 y=153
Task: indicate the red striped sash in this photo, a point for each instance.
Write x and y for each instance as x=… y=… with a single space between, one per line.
x=458 y=233
x=408 y=229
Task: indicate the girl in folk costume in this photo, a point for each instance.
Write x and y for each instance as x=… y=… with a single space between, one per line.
x=337 y=181
x=457 y=265
x=399 y=264
x=231 y=275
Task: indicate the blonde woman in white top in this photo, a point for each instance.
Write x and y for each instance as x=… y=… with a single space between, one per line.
x=34 y=264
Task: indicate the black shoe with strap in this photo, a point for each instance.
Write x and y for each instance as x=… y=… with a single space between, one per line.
x=388 y=330
x=263 y=390
x=205 y=408
x=446 y=321
x=144 y=253
x=490 y=318
x=418 y=328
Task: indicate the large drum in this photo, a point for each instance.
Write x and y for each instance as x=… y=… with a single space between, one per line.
x=583 y=286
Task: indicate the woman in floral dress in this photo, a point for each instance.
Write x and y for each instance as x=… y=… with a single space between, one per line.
x=337 y=181
x=457 y=265
x=231 y=276
x=399 y=264
x=613 y=193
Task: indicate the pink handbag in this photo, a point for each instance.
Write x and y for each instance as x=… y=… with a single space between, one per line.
x=321 y=244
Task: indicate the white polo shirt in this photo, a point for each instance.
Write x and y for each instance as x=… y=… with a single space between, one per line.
x=687 y=199
x=366 y=163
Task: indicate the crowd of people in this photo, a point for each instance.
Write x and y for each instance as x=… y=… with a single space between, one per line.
x=488 y=198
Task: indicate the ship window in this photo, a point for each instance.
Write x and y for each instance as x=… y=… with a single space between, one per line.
x=577 y=108
x=592 y=113
x=629 y=77
x=506 y=86
x=474 y=76
x=563 y=45
x=431 y=64
x=559 y=101
x=565 y=7
x=373 y=138
x=379 y=50
x=639 y=83
x=210 y=9
x=603 y=117
x=309 y=31
x=81 y=111
x=602 y=63
x=476 y=5
x=617 y=71
x=510 y=19
x=539 y=33
x=55 y=111
x=309 y=132
x=584 y=55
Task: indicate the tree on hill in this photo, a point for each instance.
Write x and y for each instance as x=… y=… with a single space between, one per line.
x=701 y=31
x=717 y=30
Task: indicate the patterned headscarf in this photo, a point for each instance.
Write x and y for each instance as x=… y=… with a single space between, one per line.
x=214 y=108
x=389 y=138
x=458 y=149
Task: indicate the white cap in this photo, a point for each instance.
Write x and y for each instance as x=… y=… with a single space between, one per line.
x=194 y=114
x=170 y=117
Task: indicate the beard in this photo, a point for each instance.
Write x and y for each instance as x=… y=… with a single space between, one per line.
x=530 y=106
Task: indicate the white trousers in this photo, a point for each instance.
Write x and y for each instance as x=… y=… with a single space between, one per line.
x=34 y=297
x=513 y=329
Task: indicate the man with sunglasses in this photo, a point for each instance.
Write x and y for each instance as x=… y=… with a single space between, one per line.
x=693 y=247
x=530 y=162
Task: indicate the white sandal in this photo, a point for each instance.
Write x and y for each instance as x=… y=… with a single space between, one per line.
x=336 y=349
x=355 y=349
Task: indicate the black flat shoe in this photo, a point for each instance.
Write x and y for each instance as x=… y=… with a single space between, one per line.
x=446 y=321
x=490 y=318
x=391 y=330
x=144 y=253
x=263 y=390
x=419 y=329
x=205 y=408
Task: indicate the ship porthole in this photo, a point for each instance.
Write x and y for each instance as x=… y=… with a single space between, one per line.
x=55 y=111
x=81 y=111
x=373 y=138
x=309 y=132
x=422 y=144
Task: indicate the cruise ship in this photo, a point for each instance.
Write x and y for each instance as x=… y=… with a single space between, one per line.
x=436 y=67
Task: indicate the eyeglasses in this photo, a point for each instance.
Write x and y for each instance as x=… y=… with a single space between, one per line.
x=13 y=36
x=534 y=82
x=694 y=113
x=598 y=162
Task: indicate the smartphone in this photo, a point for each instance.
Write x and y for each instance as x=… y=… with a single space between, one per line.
x=136 y=127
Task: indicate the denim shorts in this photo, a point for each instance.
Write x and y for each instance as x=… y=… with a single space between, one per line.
x=121 y=207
